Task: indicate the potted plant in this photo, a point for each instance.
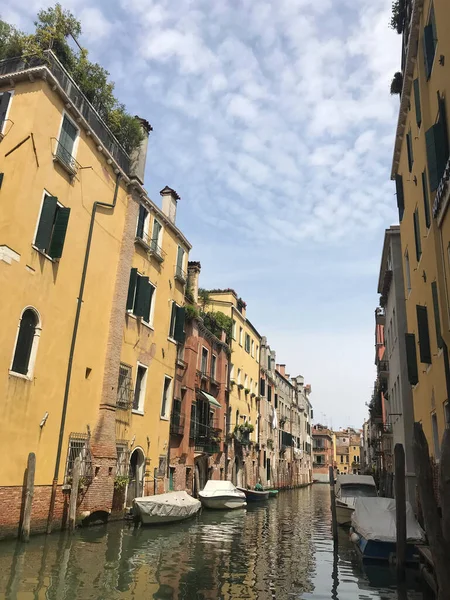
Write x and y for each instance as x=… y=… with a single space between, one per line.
x=120 y=482
x=241 y=386
x=247 y=391
x=232 y=382
x=252 y=395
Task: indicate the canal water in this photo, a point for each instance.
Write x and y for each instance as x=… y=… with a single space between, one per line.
x=281 y=549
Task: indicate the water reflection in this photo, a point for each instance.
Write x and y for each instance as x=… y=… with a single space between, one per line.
x=281 y=550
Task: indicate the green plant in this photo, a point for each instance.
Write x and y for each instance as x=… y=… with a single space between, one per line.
x=232 y=382
x=203 y=298
x=241 y=386
x=247 y=391
x=189 y=295
x=398 y=16
x=217 y=322
x=249 y=427
x=53 y=28
x=191 y=312
x=121 y=481
x=397 y=83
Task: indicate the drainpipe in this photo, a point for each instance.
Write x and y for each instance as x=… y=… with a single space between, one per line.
x=72 y=351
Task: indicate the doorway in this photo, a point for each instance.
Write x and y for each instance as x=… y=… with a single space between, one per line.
x=136 y=475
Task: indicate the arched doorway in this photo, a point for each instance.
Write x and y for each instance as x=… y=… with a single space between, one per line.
x=136 y=475
x=237 y=473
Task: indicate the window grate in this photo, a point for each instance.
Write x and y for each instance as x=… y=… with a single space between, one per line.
x=123 y=458
x=125 y=390
x=79 y=446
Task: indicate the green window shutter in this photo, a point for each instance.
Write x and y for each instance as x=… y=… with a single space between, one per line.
x=172 y=320
x=410 y=150
x=1 y=179
x=141 y=221
x=400 y=196
x=59 y=232
x=4 y=103
x=131 y=288
x=426 y=201
x=431 y=158
x=441 y=139
x=417 y=235
x=429 y=48
x=179 y=334
x=68 y=136
x=143 y=298
x=45 y=228
x=424 y=335
x=437 y=318
x=417 y=102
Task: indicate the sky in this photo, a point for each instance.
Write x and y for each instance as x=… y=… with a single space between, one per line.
x=274 y=123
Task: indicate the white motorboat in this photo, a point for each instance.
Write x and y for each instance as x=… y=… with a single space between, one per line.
x=165 y=508
x=348 y=489
x=222 y=494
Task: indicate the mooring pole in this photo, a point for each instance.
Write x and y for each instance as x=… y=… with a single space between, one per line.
x=29 y=492
x=333 y=505
x=74 y=493
x=400 y=509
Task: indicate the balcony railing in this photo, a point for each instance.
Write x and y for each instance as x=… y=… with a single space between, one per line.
x=77 y=99
x=177 y=421
x=62 y=156
x=180 y=274
x=383 y=367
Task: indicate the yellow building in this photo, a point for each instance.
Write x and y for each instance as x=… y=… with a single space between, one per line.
x=419 y=169
x=244 y=375
x=76 y=300
x=154 y=327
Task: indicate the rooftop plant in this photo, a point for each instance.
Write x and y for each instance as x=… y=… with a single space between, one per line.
x=54 y=28
x=397 y=83
x=398 y=15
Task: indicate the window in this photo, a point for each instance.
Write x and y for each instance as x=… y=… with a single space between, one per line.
x=213 y=366
x=52 y=227
x=417 y=235
x=409 y=148
x=124 y=387
x=26 y=343
x=411 y=358
x=447 y=415
x=245 y=381
x=140 y=295
x=139 y=388
x=262 y=385
x=407 y=273
x=436 y=141
x=239 y=377
x=78 y=447
x=231 y=372
x=247 y=343
x=437 y=447
x=276 y=400
x=429 y=43
x=417 y=103
x=142 y=223
x=241 y=333
x=204 y=363
x=269 y=393
x=400 y=197
x=257 y=353
x=166 y=397
x=123 y=459
x=179 y=270
x=253 y=349
x=66 y=143
x=233 y=331
x=424 y=335
x=5 y=99
x=269 y=362
x=437 y=318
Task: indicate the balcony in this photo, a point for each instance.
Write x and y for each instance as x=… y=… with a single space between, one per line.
x=383 y=369
x=177 y=422
x=151 y=246
x=36 y=64
x=64 y=158
x=180 y=275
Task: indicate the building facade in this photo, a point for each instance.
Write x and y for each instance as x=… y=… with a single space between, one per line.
x=421 y=172
x=399 y=417
x=268 y=417
x=323 y=453
x=302 y=415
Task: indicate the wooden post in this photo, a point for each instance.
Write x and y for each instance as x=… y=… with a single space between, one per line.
x=400 y=509
x=333 y=505
x=74 y=493
x=137 y=491
x=29 y=492
x=440 y=548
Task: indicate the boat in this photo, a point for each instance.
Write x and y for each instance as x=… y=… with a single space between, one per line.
x=221 y=494
x=374 y=531
x=165 y=508
x=272 y=493
x=255 y=495
x=348 y=488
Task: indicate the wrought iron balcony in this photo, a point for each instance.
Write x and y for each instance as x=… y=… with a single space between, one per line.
x=177 y=422
x=64 y=158
x=383 y=368
x=151 y=246
x=180 y=274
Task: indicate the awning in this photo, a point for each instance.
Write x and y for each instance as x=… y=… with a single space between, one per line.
x=211 y=399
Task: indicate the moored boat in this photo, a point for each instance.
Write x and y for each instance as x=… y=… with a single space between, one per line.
x=348 y=489
x=374 y=529
x=272 y=493
x=165 y=508
x=255 y=495
x=221 y=495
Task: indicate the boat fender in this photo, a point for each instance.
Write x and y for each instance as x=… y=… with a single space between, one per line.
x=354 y=537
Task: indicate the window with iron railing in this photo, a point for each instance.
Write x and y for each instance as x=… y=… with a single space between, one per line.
x=124 y=387
x=78 y=447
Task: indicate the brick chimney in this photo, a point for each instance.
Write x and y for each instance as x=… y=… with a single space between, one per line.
x=169 y=203
x=282 y=370
x=193 y=276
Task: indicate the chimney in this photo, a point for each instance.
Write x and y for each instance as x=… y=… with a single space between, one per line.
x=169 y=203
x=138 y=157
x=193 y=275
x=282 y=370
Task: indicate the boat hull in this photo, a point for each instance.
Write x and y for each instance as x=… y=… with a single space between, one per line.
x=273 y=493
x=344 y=514
x=171 y=507
x=155 y=520
x=375 y=550
x=254 y=496
x=222 y=502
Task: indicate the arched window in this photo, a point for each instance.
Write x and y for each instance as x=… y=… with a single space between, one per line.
x=26 y=344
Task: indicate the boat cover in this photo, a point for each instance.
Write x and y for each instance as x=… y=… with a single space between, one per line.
x=220 y=487
x=374 y=519
x=172 y=504
x=342 y=480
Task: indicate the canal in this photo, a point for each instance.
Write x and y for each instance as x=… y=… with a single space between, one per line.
x=281 y=550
